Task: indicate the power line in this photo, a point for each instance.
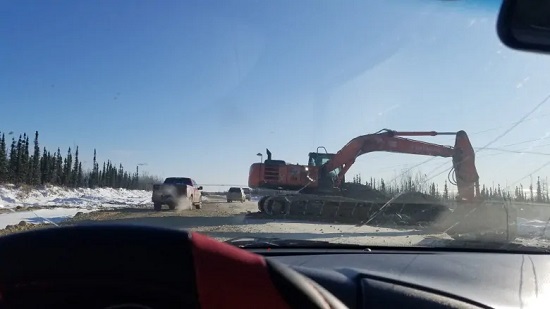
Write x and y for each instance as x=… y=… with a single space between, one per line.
x=517 y=123
x=514 y=125
x=498 y=127
x=524 y=142
x=529 y=174
x=519 y=151
x=410 y=169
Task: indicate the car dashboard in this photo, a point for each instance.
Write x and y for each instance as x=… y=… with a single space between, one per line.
x=153 y=266
x=375 y=279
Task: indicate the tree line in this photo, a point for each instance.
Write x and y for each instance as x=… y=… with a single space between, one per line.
x=21 y=164
x=536 y=193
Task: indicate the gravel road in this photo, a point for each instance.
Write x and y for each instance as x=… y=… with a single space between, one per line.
x=223 y=221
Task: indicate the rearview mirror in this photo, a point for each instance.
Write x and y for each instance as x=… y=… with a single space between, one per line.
x=525 y=25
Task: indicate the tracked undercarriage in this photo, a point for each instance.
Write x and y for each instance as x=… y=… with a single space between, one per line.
x=488 y=220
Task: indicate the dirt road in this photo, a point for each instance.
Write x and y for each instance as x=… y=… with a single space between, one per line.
x=215 y=212
x=223 y=221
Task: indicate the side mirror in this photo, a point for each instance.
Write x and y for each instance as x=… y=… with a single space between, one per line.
x=200 y=188
x=525 y=25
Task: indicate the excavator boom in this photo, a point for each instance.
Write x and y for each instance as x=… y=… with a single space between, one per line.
x=391 y=141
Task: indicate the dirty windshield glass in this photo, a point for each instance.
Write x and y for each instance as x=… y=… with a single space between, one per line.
x=375 y=123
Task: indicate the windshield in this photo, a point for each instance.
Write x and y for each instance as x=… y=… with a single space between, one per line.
x=439 y=132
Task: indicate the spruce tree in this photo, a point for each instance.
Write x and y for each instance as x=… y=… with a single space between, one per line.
x=59 y=167
x=36 y=175
x=44 y=167
x=25 y=162
x=20 y=159
x=104 y=176
x=21 y=165
x=13 y=162
x=3 y=160
x=75 y=180
x=445 y=191
x=94 y=177
x=67 y=169
x=539 y=191
x=79 y=175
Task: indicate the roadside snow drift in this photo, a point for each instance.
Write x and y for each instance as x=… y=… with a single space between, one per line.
x=533 y=228
x=48 y=215
x=50 y=196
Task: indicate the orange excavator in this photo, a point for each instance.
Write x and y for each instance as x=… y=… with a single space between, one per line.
x=319 y=191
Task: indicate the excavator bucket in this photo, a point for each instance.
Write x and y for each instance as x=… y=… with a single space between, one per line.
x=483 y=220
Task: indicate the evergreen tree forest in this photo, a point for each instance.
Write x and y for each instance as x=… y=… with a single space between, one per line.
x=536 y=192
x=24 y=163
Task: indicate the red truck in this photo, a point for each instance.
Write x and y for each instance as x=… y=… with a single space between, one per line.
x=177 y=191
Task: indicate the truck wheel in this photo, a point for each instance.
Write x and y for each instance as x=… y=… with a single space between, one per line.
x=172 y=206
x=157 y=206
x=229 y=201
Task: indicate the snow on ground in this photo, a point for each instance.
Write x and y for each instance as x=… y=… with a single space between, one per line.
x=56 y=204
x=47 y=215
x=50 y=196
x=533 y=228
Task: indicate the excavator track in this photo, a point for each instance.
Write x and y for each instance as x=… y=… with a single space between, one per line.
x=341 y=209
x=492 y=221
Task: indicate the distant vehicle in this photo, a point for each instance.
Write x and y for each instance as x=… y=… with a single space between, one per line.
x=247 y=193
x=236 y=194
x=176 y=190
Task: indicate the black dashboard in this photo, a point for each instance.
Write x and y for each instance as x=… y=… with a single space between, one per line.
x=163 y=267
x=427 y=279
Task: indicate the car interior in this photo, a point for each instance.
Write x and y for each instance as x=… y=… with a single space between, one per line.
x=132 y=266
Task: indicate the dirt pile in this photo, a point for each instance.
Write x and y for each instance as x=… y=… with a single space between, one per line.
x=359 y=191
x=23 y=226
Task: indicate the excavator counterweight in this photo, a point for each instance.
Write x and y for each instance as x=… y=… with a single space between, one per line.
x=318 y=191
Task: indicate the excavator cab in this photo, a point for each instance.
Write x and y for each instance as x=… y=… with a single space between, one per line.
x=318 y=159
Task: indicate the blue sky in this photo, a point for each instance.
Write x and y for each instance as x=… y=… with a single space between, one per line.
x=199 y=87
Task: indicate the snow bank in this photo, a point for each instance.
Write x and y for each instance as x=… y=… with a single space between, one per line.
x=49 y=215
x=50 y=196
x=533 y=228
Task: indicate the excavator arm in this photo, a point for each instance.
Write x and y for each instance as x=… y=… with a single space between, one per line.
x=467 y=179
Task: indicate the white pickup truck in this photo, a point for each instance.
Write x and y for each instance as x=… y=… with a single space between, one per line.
x=177 y=191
